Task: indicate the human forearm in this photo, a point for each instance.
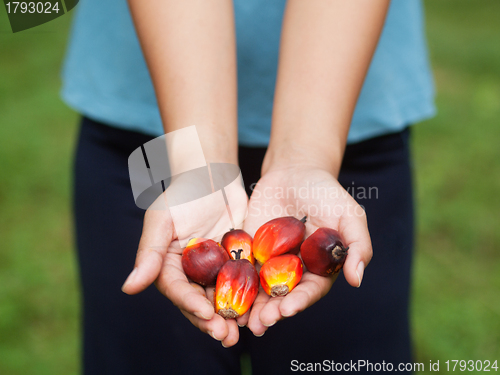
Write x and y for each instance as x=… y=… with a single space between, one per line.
x=326 y=49
x=190 y=50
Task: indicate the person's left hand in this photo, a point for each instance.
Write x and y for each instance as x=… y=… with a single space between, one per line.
x=304 y=191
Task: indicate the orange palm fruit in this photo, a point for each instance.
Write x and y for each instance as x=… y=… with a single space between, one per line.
x=323 y=252
x=238 y=239
x=279 y=275
x=278 y=236
x=202 y=259
x=237 y=287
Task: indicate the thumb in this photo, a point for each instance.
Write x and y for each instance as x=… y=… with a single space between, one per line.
x=356 y=235
x=157 y=234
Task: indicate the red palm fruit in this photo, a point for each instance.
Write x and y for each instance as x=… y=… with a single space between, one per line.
x=323 y=252
x=237 y=287
x=279 y=275
x=237 y=239
x=202 y=259
x=278 y=236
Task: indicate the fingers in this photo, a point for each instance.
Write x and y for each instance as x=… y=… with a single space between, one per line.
x=173 y=283
x=267 y=311
x=234 y=334
x=309 y=291
x=156 y=236
x=222 y=330
x=225 y=331
x=254 y=323
x=354 y=230
x=243 y=320
x=270 y=313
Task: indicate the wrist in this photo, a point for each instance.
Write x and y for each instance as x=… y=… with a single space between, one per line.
x=219 y=147
x=193 y=146
x=297 y=155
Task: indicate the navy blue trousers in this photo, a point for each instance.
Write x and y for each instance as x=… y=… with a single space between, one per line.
x=146 y=334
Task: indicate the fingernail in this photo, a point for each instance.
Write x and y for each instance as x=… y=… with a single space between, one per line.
x=262 y=334
x=270 y=325
x=201 y=316
x=359 y=271
x=213 y=335
x=222 y=342
x=240 y=325
x=130 y=278
x=288 y=315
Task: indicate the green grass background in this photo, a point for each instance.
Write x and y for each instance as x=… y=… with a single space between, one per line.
x=456 y=291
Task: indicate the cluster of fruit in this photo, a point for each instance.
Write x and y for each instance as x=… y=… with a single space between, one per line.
x=230 y=265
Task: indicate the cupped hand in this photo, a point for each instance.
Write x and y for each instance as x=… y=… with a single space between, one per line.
x=315 y=193
x=159 y=256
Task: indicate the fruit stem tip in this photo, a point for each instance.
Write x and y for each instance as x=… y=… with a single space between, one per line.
x=237 y=253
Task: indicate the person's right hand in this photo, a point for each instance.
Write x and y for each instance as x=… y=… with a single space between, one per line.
x=159 y=258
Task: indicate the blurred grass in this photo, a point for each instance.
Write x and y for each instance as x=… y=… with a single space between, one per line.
x=39 y=297
x=456 y=304
x=456 y=291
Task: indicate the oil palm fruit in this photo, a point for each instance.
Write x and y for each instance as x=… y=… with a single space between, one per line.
x=278 y=236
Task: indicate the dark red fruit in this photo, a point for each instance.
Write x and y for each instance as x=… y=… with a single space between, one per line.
x=323 y=252
x=202 y=259
x=278 y=236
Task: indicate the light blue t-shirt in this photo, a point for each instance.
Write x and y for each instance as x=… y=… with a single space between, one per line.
x=105 y=76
